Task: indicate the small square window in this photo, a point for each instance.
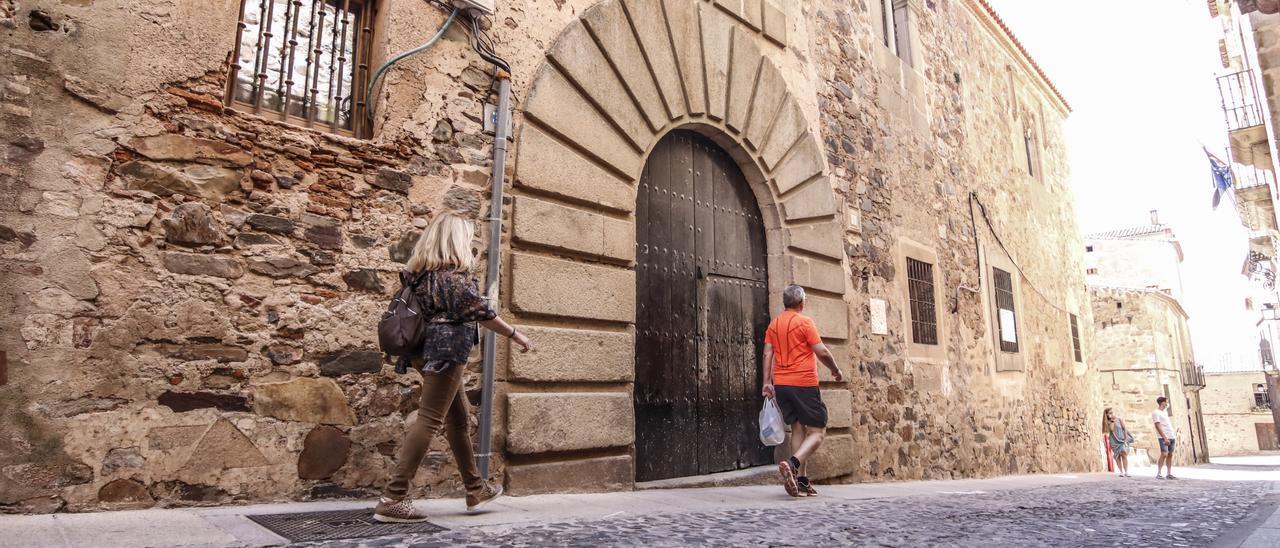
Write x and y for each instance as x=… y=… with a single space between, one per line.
x=1088 y=249
x=1091 y=271
x=304 y=62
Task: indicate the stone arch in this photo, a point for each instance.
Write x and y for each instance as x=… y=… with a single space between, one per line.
x=615 y=81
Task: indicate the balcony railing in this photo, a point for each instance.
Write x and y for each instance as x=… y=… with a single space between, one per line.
x=1248 y=176
x=1192 y=374
x=1240 y=101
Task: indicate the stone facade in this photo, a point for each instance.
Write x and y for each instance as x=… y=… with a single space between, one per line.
x=1140 y=258
x=1140 y=347
x=190 y=290
x=1231 y=413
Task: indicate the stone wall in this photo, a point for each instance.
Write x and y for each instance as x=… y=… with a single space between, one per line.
x=1139 y=345
x=1136 y=263
x=190 y=291
x=1230 y=415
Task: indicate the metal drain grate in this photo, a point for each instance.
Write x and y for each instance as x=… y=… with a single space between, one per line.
x=337 y=524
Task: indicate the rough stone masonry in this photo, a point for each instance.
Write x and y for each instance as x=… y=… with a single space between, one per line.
x=190 y=289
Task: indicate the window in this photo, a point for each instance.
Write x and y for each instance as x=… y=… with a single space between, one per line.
x=1005 y=315
x=305 y=62
x=1091 y=271
x=924 y=316
x=1088 y=249
x=894 y=28
x=1260 y=398
x=1029 y=145
x=1075 y=338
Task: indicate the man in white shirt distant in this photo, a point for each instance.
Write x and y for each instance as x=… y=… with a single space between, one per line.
x=1164 y=429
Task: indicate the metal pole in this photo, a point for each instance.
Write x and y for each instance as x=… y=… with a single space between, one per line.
x=494 y=266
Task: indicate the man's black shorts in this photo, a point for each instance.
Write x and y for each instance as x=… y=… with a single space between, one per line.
x=801 y=404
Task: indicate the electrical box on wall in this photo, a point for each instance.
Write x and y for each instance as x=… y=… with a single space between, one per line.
x=486 y=6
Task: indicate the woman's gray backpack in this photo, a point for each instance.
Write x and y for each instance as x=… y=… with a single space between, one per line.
x=402 y=329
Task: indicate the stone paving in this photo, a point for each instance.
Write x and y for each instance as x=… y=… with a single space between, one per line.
x=1115 y=512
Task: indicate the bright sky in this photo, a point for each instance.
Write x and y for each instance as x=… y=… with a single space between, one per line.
x=1140 y=78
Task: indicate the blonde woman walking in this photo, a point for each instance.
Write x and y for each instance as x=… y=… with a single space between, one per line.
x=440 y=268
x=1119 y=438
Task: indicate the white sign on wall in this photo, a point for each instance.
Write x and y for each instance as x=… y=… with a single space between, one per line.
x=1008 y=326
x=879 y=317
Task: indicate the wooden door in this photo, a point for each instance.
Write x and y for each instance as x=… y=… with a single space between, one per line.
x=702 y=308
x=1266 y=436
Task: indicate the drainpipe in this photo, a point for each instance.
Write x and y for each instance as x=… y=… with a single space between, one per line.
x=494 y=266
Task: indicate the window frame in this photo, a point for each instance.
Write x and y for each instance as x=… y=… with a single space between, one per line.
x=895 y=28
x=920 y=299
x=1015 y=346
x=1075 y=339
x=916 y=352
x=359 y=27
x=1010 y=362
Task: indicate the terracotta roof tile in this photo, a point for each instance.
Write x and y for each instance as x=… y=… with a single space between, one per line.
x=1018 y=44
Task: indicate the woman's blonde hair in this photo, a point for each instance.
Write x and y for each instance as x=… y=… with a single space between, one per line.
x=445 y=244
x=1106 y=424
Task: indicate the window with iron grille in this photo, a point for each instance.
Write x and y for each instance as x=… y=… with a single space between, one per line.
x=1005 y=315
x=1075 y=338
x=924 y=315
x=305 y=62
x=1260 y=398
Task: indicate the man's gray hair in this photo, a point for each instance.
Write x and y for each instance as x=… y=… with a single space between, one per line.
x=792 y=296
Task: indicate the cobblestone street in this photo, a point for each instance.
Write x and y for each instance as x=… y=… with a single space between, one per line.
x=1132 y=512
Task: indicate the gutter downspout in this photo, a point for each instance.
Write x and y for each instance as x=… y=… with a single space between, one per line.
x=494 y=266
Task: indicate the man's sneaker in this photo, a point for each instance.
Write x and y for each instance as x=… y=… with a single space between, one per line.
x=1170 y=476
x=398 y=511
x=484 y=496
x=788 y=474
x=808 y=490
x=1158 y=476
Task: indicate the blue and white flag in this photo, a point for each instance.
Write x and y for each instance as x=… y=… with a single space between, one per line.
x=1221 y=173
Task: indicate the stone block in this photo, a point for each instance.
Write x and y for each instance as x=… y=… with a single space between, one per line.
x=608 y=24
x=742 y=78
x=169 y=146
x=604 y=474
x=814 y=200
x=195 y=264
x=575 y=355
x=350 y=362
x=324 y=451
x=304 y=399
x=125 y=493
x=165 y=179
x=775 y=23
x=804 y=163
x=558 y=105
x=549 y=166
x=787 y=127
x=733 y=7
x=181 y=402
x=539 y=423
x=717 y=37
x=281 y=267
x=815 y=274
x=583 y=63
x=831 y=316
x=648 y=19
x=771 y=90
x=839 y=407
x=542 y=285
x=682 y=18
x=751 y=14
x=544 y=223
x=826 y=239
x=192 y=224
x=271 y=223
x=222 y=447
x=834 y=458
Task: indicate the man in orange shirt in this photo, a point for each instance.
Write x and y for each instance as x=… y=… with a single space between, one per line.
x=791 y=379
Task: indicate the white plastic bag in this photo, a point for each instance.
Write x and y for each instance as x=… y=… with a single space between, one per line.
x=772 y=431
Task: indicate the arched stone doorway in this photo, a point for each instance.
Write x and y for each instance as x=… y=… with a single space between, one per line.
x=617 y=81
x=702 y=305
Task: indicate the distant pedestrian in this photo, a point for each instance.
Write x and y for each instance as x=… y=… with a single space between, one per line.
x=1164 y=429
x=791 y=378
x=1119 y=438
x=452 y=304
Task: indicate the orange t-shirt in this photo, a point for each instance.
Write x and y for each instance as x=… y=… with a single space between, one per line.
x=792 y=337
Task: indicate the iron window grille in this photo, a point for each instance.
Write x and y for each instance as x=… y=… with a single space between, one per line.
x=1004 y=302
x=924 y=315
x=1075 y=338
x=1260 y=397
x=304 y=62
